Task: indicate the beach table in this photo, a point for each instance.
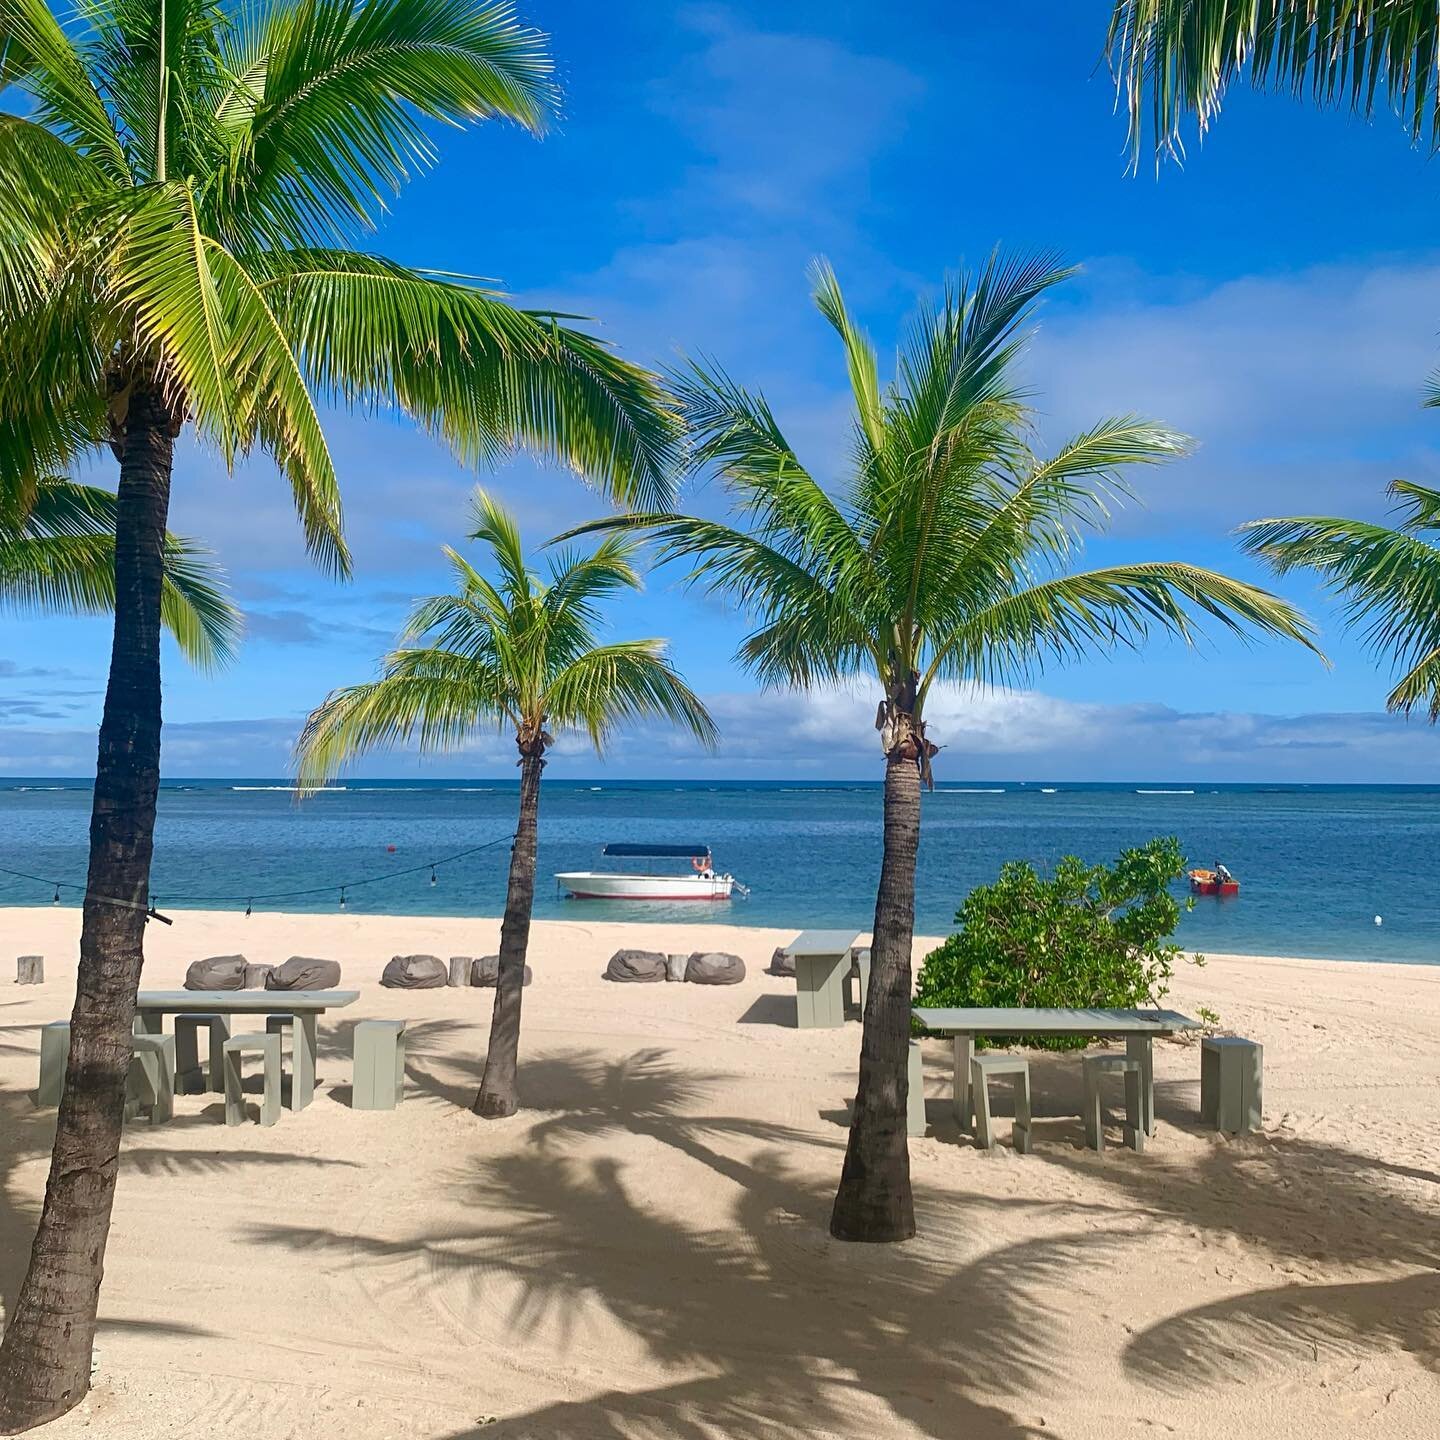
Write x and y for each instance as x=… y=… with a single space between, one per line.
x=1138 y=1028
x=822 y=961
x=152 y=1006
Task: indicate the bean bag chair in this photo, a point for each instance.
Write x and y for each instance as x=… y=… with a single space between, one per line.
x=415 y=972
x=300 y=972
x=714 y=967
x=485 y=973
x=781 y=962
x=219 y=972
x=636 y=967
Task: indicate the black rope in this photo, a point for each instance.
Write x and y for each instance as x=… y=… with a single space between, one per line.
x=250 y=897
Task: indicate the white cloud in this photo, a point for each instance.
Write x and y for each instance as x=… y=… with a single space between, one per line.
x=985 y=734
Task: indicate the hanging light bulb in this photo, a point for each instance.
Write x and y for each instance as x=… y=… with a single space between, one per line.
x=248 y=904
x=432 y=875
x=342 y=897
x=56 y=900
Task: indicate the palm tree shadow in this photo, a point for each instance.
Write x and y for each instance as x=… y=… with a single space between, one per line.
x=1301 y=1203
x=781 y=1331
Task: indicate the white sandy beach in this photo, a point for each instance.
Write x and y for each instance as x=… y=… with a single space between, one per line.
x=643 y=1251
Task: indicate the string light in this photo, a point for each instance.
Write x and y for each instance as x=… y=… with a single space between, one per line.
x=201 y=901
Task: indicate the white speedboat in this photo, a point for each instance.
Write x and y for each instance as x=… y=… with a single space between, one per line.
x=703 y=883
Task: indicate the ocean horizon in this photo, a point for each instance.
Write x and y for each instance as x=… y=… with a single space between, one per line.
x=1318 y=863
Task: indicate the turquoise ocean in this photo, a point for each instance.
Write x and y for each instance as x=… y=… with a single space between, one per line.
x=1317 y=863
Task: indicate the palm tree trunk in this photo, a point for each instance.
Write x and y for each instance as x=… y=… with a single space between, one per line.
x=45 y=1354
x=874 y=1200
x=498 y=1095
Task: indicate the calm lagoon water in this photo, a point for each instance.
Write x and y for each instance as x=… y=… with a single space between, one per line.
x=1317 y=863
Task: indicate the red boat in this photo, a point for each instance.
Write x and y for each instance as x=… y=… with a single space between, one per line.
x=1218 y=881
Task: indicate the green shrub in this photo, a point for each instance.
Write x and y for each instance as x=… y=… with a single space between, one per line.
x=1088 y=936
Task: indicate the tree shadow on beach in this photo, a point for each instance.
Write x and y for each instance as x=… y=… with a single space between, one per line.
x=1303 y=1207
x=777 y=1329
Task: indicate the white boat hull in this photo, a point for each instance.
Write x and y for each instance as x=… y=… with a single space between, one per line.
x=608 y=885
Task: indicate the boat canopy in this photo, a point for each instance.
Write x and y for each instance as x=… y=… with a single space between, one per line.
x=693 y=852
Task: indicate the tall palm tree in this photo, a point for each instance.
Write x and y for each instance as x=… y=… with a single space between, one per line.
x=57 y=554
x=521 y=654
x=944 y=556
x=1177 y=57
x=180 y=182
x=1388 y=577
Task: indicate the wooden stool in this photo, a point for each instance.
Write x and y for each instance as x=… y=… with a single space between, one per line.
x=151 y=1081
x=149 y=1084
x=379 y=1082
x=1231 y=1088
x=189 y=1078
x=54 y=1056
x=1095 y=1066
x=268 y=1046
x=982 y=1067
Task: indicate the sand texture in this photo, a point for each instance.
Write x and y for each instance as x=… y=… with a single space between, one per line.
x=643 y=1251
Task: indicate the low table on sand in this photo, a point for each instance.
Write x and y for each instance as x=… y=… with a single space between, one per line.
x=822 y=961
x=151 y=1007
x=1137 y=1027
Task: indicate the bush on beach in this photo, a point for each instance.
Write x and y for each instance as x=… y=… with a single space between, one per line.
x=1087 y=936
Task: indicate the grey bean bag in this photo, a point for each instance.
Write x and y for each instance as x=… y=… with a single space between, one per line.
x=219 y=972
x=782 y=962
x=636 y=967
x=714 y=968
x=300 y=972
x=485 y=972
x=415 y=972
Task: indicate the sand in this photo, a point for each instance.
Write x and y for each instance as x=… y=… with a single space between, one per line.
x=643 y=1251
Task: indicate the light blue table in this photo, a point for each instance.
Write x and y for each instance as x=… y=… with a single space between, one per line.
x=1138 y=1028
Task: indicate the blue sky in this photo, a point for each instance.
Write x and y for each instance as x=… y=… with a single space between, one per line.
x=1276 y=298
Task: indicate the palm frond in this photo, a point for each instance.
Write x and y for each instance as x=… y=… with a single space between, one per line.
x=477 y=372
x=512 y=650
x=1388 y=579
x=621 y=684
x=332 y=98
x=59 y=557
x=1176 y=58
x=38 y=58
x=1074 y=616
x=431 y=695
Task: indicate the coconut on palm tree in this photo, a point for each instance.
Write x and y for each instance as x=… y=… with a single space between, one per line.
x=1177 y=58
x=181 y=182
x=943 y=555
x=57 y=554
x=520 y=653
x=1387 y=576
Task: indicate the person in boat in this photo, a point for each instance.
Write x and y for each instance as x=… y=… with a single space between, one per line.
x=1223 y=875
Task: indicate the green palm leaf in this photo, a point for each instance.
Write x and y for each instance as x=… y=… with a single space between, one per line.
x=514 y=650
x=1176 y=58
x=1388 y=579
x=59 y=556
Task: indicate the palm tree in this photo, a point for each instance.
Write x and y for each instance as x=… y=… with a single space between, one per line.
x=180 y=183
x=58 y=554
x=944 y=557
x=1388 y=577
x=1179 y=56
x=518 y=653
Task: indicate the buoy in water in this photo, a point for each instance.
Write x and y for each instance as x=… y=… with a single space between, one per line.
x=1379 y=921
x=389 y=849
